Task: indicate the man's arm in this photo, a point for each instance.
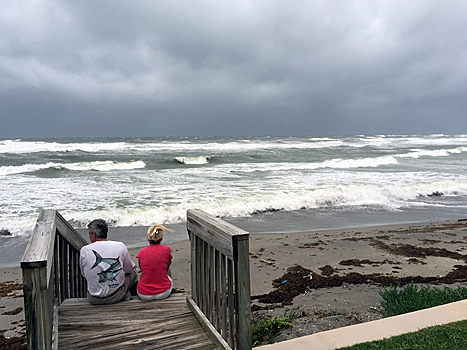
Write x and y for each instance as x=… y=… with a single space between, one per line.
x=82 y=260
x=128 y=264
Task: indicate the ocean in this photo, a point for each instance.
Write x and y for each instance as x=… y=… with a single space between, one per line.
x=261 y=184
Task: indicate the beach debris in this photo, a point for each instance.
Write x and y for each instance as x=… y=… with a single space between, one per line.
x=297 y=283
x=4 y=232
x=359 y=263
x=429 y=241
x=7 y=288
x=178 y=290
x=409 y=250
x=416 y=261
x=13 y=312
x=327 y=270
x=12 y=343
x=436 y=194
x=311 y=245
x=270 y=262
x=418 y=252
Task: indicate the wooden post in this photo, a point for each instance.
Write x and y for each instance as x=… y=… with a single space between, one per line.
x=223 y=292
x=57 y=271
x=242 y=278
x=230 y=302
x=221 y=299
x=36 y=265
x=194 y=267
x=45 y=267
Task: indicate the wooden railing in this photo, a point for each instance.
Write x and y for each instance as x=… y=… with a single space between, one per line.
x=50 y=266
x=220 y=279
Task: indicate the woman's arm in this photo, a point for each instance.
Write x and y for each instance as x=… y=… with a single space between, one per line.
x=169 y=272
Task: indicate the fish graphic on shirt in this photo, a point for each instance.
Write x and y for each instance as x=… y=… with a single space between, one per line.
x=112 y=271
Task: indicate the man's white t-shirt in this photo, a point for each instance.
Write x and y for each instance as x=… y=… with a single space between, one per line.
x=104 y=264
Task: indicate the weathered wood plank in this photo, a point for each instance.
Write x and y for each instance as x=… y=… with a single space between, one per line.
x=215 y=231
x=38 y=308
x=161 y=324
x=55 y=327
x=223 y=297
x=211 y=276
x=230 y=303
x=220 y=342
x=216 y=303
x=57 y=271
x=38 y=295
x=217 y=271
x=71 y=271
x=194 y=266
x=242 y=279
x=63 y=257
x=39 y=250
x=202 y=303
x=46 y=268
x=69 y=233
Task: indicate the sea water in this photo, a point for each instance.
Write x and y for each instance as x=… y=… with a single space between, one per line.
x=261 y=184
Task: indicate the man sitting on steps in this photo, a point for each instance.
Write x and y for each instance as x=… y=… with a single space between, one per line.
x=107 y=266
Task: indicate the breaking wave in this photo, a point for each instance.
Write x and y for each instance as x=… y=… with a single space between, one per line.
x=83 y=166
x=193 y=160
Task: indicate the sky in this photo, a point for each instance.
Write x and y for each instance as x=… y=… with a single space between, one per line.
x=232 y=68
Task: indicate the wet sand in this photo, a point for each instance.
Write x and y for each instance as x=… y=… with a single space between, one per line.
x=348 y=269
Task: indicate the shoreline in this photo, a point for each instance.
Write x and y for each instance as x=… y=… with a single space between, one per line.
x=320 y=253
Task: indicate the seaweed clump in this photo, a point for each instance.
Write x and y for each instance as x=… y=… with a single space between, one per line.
x=299 y=280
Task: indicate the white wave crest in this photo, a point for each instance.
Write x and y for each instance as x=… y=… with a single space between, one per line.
x=106 y=166
x=228 y=145
x=18 y=146
x=432 y=153
x=193 y=160
x=359 y=163
x=84 y=166
x=337 y=163
x=18 y=226
x=224 y=202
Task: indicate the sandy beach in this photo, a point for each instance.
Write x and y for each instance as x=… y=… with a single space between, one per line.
x=329 y=278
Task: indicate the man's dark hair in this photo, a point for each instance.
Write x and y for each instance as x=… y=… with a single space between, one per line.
x=99 y=227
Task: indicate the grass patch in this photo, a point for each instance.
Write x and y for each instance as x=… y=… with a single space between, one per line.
x=269 y=328
x=452 y=336
x=412 y=298
x=397 y=301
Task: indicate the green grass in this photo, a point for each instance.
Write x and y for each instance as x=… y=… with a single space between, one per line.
x=269 y=328
x=452 y=336
x=396 y=301
x=412 y=298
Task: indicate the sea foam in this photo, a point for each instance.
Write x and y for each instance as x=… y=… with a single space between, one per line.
x=83 y=166
x=193 y=160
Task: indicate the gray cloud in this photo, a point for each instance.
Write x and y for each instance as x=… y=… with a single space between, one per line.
x=160 y=68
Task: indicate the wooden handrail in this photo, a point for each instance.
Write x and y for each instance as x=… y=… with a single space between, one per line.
x=50 y=266
x=220 y=272
x=220 y=279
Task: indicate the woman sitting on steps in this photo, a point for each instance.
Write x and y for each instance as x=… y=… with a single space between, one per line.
x=154 y=261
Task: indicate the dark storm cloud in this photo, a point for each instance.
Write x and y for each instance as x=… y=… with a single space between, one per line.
x=143 y=68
